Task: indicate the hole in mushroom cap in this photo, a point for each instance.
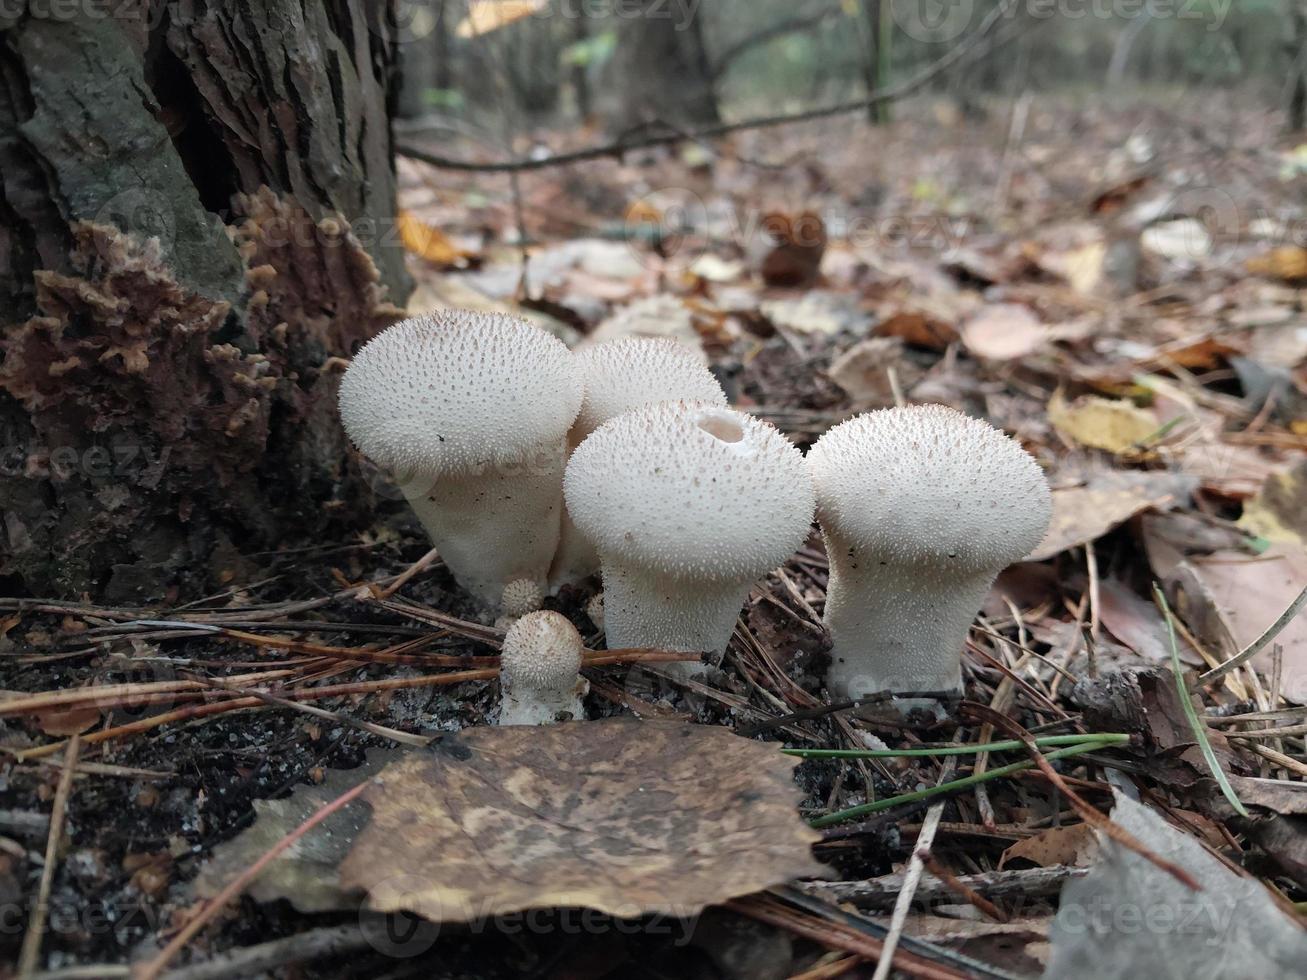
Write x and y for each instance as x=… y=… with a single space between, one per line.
x=722 y=427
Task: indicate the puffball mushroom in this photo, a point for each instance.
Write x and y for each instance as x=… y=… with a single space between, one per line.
x=688 y=504
x=921 y=508
x=470 y=411
x=538 y=668
x=620 y=376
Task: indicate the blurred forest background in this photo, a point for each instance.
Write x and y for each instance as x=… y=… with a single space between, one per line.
x=705 y=60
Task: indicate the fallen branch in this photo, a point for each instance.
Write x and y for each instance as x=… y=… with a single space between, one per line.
x=880 y=893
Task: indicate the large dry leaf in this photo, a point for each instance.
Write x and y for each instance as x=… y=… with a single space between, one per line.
x=1084 y=513
x=627 y=817
x=1230 y=598
x=1138 y=624
x=1128 y=918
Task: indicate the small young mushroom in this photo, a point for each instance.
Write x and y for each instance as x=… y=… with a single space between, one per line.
x=620 y=376
x=521 y=596
x=470 y=411
x=921 y=508
x=688 y=504
x=538 y=667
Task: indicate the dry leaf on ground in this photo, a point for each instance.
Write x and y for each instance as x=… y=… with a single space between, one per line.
x=1230 y=598
x=307 y=874
x=1136 y=622
x=619 y=815
x=1074 y=846
x=1102 y=423
x=1128 y=918
x=1111 y=497
x=862 y=371
x=1003 y=332
x=430 y=243
x=1279 y=511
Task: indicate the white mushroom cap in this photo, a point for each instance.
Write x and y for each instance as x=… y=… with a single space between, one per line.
x=539 y=664
x=625 y=374
x=444 y=393
x=620 y=376
x=930 y=485
x=652 y=316
x=690 y=491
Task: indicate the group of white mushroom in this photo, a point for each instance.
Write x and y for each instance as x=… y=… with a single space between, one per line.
x=532 y=467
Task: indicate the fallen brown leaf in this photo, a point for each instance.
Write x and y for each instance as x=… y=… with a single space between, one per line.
x=1073 y=846
x=1084 y=513
x=624 y=816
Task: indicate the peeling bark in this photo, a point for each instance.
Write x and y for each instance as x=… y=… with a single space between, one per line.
x=195 y=226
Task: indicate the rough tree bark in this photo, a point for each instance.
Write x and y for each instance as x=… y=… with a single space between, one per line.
x=195 y=226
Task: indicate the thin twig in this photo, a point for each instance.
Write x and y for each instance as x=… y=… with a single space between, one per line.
x=31 y=950
x=916 y=865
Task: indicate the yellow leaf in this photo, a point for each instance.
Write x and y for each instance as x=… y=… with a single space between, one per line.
x=1279 y=511
x=1288 y=262
x=428 y=242
x=1102 y=423
x=484 y=16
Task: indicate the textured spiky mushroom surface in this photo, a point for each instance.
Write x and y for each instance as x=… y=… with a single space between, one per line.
x=688 y=504
x=921 y=508
x=444 y=393
x=626 y=374
x=928 y=484
x=539 y=667
x=470 y=411
x=521 y=596
x=621 y=376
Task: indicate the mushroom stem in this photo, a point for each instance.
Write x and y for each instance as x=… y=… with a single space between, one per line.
x=897 y=627
x=497 y=524
x=650 y=610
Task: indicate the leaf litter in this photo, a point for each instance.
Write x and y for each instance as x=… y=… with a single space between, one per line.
x=1156 y=373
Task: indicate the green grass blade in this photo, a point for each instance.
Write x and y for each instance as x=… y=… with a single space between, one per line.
x=1191 y=713
x=1007 y=745
x=924 y=794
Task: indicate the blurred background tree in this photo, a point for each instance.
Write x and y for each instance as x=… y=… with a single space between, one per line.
x=685 y=62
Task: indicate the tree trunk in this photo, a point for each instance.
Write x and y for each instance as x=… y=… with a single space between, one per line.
x=581 y=70
x=1297 y=110
x=877 y=29
x=663 y=66
x=196 y=204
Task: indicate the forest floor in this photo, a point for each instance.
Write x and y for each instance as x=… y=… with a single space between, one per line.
x=1118 y=286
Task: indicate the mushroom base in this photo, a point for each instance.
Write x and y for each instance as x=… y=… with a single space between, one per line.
x=643 y=611
x=575 y=560
x=895 y=628
x=498 y=524
x=535 y=708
